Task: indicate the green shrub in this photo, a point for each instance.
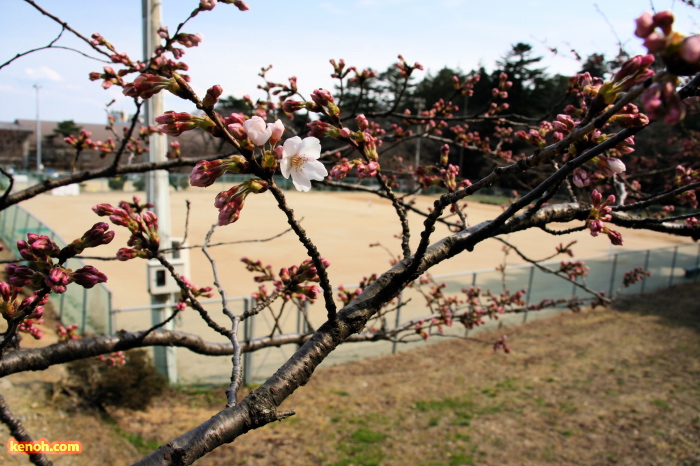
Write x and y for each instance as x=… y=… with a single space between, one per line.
x=117 y=183
x=139 y=184
x=132 y=385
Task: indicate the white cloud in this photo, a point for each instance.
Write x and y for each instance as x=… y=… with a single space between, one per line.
x=43 y=72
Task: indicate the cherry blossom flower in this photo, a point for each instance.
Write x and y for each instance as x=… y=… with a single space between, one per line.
x=300 y=160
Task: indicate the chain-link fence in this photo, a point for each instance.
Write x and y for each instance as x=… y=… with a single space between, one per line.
x=668 y=266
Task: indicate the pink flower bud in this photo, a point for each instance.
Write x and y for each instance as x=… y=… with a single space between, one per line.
x=88 y=276
x=664 y=20
x=690 y=49
x=645 y=25
x=212 y=97
x=125 y=254
x=321 y=97
x=57 y=279
x=276 y=131
x=257 y=131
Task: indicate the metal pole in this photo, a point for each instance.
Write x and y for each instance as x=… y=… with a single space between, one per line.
x=471 y=308
x=673 y=266
x=529 y=290
x=39 y=165
x=111 y=316
x=397 y=321
x=157 y=189
x=646 y=267
x=697 y=263
x=247 y=336
x=420 y=102
x=612 y=276
x=83 y=323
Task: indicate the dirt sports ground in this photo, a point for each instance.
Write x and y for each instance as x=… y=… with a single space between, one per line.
x=604 y=386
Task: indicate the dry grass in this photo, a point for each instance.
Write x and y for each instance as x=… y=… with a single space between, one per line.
x=599 y=387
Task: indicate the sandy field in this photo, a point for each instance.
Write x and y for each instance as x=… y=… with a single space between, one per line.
x=342 y=225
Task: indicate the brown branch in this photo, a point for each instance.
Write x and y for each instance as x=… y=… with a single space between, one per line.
x=18 y=432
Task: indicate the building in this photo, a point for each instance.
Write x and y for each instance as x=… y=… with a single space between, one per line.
x=14 y=145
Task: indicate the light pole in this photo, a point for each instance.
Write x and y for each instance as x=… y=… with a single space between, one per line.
x=420 y=103
x=39 y=166
x=158 y=190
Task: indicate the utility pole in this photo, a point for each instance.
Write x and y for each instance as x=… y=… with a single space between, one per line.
x=39 y=166
x=158 y=189
x=420 y=103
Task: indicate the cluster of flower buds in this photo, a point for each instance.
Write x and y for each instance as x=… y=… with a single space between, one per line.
x=361 y=77
x=142 y=224
x=630 y=117
x=206 y=5
x=339 y=70
x=82 y=141
x=118 y=358
x=46 y=258
x=28 y=326
x=206 y=172
x=600 y=213
x=195 y=291
x=109 y=77
x=364 y=170
x=680 y=54
x=685 y=176
x=466 y=87
x=573 y=269
x=174 y=152
x=230 y=202
x=66 y=333
x=405 y=69
x=292 y=282
x=30 y=308
x=438 y=176
x=634 y=71
x=175 y=124
x=487 y=304
x=635 y=275
x=501 y=91
x=501 y=344
x=324 y=102
x=147 y=85
x=345 y=295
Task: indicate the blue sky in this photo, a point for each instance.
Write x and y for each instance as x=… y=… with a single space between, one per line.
x=298 y=38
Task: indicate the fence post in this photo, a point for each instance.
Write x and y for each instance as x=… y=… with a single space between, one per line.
x=247 y=336
x=83 y=322
x=612 y=276
x=397 y=321
x=529 y=290
x=673 y=266
x=697 y=263
x=4 y=220
x=110 y=315
x=471 y=308
x=646 y=267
